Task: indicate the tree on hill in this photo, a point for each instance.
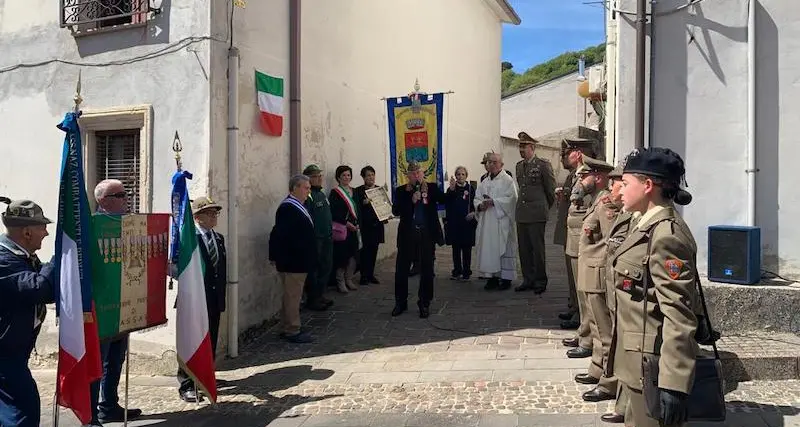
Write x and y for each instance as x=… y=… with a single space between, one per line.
x=561 y=65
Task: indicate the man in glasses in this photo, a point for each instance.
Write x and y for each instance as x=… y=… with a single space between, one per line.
x=111 y=199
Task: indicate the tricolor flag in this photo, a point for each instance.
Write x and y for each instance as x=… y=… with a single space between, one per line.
x=194 y=341
x=270 y=102
x=78 y=344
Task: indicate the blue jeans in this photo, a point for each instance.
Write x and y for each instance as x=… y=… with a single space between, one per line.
x=112 y=356
x=19 y=397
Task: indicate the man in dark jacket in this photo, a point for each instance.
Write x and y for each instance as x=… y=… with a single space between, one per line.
x=289 y=241
x=212 y=251
x=26 y=285
x=320 y=209
x=419 y=229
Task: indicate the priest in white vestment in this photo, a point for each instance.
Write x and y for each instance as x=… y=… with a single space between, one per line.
x=495 y=203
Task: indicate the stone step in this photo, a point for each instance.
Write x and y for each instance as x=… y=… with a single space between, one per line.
x=766 y=356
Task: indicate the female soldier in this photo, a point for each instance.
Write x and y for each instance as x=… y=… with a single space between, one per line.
x=659 y=251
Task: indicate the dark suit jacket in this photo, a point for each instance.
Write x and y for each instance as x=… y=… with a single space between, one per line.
x=293 y=241
x=216 y=277
x=404 y=208
x=371 y=228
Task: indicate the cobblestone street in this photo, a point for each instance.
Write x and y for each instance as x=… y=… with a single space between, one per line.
x=481 y=359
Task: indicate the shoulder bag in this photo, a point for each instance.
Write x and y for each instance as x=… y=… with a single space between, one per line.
x=706 y=400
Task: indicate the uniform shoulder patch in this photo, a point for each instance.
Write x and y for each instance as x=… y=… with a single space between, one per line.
x=674 y=267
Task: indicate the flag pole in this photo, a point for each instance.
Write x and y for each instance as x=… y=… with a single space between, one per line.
x=177 y=147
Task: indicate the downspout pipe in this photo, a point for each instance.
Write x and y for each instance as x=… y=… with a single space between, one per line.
x=641 y=22
x=295 y=145
x=233 y=202
x=651 y=120
x=751 y=114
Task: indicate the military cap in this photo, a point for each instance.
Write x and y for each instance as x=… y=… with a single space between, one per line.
x=413 y=166
x=595 y=165
x=311 y=170
x=616 y=173
x=583 y=170
x=524 y=138
x=656 y=162
x=23 y=213
x=203 y=203
x=486 y=157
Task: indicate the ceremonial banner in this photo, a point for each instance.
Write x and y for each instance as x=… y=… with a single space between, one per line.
x=415 y=133
x=130 y=272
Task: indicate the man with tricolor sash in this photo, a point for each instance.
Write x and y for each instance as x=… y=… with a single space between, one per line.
x=26 y=285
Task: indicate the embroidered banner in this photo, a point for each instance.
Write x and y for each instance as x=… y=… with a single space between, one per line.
x=129 y=271
x=415 y=133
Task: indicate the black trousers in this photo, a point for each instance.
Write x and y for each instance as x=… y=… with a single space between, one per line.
x=462 y=260
x=369 y=255
x=186 y=382
x=419 y=245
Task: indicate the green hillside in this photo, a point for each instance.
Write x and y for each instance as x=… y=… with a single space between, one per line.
x=561 y=65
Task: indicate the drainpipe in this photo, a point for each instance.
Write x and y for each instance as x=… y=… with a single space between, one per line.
x=294 y=88
x=651 y=121
x=233 y=202
x=751 y=114
x=641 y=21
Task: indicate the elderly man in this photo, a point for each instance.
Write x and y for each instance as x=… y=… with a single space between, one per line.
x=215 y=279
x=289 y=242
x=419 y=230
x=112 y=199
x=26 y=285
x=495 y=202
x=536 y=197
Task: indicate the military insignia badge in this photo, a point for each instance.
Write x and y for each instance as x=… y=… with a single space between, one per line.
x=674 y=268
x=627 y=284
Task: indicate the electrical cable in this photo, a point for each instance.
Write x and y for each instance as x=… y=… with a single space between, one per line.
x=766 y=274
x=166 y=50
x=664 y=13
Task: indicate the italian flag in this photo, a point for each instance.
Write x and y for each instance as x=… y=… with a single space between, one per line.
x=270 y=102
x=78 y=344
x=194 y=341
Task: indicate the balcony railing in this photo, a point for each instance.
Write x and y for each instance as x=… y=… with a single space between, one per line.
x=102 y=13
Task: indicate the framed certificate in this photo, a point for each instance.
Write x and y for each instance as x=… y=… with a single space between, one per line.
x=379 y=200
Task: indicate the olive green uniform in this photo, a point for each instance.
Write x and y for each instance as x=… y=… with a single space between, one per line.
x=575 y=216
x=536 y=197
x=320 y=210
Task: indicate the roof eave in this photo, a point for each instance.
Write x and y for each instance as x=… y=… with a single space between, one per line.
x=504 y=11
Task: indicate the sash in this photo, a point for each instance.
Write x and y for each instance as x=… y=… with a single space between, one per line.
x=299 y=206
x=351 y=205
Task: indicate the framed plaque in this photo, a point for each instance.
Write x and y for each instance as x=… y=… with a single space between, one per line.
x=379 y=200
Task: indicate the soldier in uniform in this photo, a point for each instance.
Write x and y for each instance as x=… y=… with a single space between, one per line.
x=583 y=196
x=572 y=152
x=536 y=197
x=26 y=285
x=662 y=249
x=592 y=283
x=320 y=210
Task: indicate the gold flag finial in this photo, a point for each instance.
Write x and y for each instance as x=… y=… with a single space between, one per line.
x=77 y=98
x=177 y=147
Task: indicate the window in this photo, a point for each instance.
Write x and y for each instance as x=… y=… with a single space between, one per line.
x=117 y=156
x=91 y=15
x=117 y=144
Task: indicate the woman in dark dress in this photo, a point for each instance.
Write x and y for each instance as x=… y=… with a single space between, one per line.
x=372 y=234
x=460 y=223
x=345 y=213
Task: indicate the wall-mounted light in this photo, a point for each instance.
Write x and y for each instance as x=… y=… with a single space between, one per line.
x=582 y=69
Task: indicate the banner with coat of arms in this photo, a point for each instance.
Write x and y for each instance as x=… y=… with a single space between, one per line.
x=415 y=133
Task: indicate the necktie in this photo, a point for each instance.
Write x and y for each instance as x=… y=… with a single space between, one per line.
x=212 y=248
x=36 y=263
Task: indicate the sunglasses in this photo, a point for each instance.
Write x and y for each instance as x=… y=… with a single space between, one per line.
x=120 y=195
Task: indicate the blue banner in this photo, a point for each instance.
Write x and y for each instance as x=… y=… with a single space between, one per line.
x=180 y=202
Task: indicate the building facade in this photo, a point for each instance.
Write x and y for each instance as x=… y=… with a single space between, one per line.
x=148 y=73
x=721 y=92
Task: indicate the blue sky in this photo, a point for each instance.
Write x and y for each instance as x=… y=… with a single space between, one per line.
x=550 y=28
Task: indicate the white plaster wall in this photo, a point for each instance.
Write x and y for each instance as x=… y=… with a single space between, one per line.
x=355 y=52
x=33 y=100
x=546 y=108
x=700 y=111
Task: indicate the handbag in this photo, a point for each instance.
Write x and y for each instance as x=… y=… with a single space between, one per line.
x=706 y=400
x=339 y=232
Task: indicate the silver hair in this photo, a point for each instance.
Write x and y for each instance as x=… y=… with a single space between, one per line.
x=497 y=156
x=102 y=187
x=295 y=181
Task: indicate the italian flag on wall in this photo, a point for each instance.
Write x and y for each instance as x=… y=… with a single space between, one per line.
x=270 y=101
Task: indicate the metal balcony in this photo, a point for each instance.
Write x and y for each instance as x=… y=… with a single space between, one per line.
x=102 y=13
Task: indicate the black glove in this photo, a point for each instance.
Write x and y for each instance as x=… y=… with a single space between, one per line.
x=674 y=407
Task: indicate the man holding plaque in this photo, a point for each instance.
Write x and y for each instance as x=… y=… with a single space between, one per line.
x=212 y=251
x=112 y=199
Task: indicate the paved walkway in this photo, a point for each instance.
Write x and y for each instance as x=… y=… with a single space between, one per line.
x=481 y=359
